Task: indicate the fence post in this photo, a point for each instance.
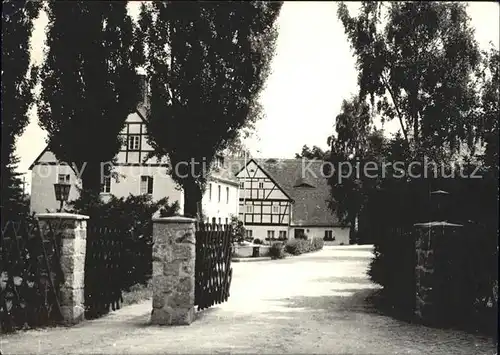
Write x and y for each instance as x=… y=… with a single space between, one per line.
x=436 y=277
x=174 y=252
x=73 y=231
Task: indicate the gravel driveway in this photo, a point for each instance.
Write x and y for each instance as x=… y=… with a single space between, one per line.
x=313 y=303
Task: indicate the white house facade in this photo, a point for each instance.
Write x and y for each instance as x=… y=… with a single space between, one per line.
x=134 y=172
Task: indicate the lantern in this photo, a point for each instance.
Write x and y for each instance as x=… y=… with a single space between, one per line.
x=62 y=193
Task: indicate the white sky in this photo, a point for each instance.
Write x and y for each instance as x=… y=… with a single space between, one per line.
x=312 y=72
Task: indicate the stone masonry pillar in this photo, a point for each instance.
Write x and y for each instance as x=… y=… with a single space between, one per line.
x=436 y=276
x=174 y=252
x=73 y=231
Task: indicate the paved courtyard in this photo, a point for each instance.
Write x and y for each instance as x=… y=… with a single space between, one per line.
x=313 y=303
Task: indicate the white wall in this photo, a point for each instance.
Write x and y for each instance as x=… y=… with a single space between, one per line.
x=43 y=178
x=223 y=209
x=341 y=234
x=260 y=232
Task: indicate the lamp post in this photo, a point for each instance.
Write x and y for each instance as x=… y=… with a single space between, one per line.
x=62 y=193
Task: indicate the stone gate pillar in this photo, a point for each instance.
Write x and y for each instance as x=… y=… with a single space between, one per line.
x=174 y=253
x=437 y=271
x=73 y=231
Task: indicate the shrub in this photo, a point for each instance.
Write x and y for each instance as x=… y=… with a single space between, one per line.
x=298 y=246
x=133 y=215
x=257 y=241
x=277 y=251
x=317 y=244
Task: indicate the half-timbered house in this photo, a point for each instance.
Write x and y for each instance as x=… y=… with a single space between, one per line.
x=286 y=199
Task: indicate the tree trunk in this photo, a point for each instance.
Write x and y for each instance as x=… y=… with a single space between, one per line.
x=192 y=199
x=91 y=176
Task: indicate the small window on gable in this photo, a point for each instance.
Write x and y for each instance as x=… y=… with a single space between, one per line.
x=63 y=178
x=242 y=185
x=276 y=209
x=261 y=185
x=133 y=142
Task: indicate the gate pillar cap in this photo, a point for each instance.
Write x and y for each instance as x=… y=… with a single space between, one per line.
x=61 y=215
x=174 y=219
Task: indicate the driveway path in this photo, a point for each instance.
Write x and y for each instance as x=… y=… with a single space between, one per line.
x=313 y=303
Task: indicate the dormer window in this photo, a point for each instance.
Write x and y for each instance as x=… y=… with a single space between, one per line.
x=133 y=142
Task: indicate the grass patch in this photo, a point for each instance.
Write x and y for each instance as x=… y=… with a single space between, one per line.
x=138 y=293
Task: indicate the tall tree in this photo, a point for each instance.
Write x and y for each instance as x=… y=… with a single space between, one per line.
x=89 y=83
x=208 y=63
x=490 y=106
x=17 y=95
x=314 y=153
x=415 y=62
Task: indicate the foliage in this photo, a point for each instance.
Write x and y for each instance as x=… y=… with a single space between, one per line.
x=277 y=251
x=257 y=241
x=317 y=244
x=238 y=230
x=18 y=82
x=490 y=106
x=134 y=212
x=418 y=68
x=207 y=63
x=89 y=83
x=314 y=153
x=297 y=246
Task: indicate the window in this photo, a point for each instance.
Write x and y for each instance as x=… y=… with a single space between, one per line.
x=219 y=190
x=300 y=233
x=146 y=185
x=249 y=209
x=133 y=142
x=282 y=235
x=249 y=233
x=106 y=185
x=329 y=236
x=276 y=209
x=261 y=185
x=270 y=234
x=63 y=178
x=210 y=192
x=227 y=194
x=242 y=185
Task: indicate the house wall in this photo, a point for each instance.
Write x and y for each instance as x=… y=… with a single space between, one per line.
x=43 y=178
x=127 y=180
x=260 y=232
x=223 y=209
x=341 y=234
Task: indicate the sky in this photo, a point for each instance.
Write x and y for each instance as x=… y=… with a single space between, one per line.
x=312 y=72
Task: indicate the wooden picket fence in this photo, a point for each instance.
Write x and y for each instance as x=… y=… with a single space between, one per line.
x=213 y=272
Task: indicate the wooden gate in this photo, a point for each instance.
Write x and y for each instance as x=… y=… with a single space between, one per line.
x=30 y=275
x=213 y=270
x=116 y=258
x=104 y=270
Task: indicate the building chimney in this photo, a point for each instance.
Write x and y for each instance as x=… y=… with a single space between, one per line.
x=144 y=87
